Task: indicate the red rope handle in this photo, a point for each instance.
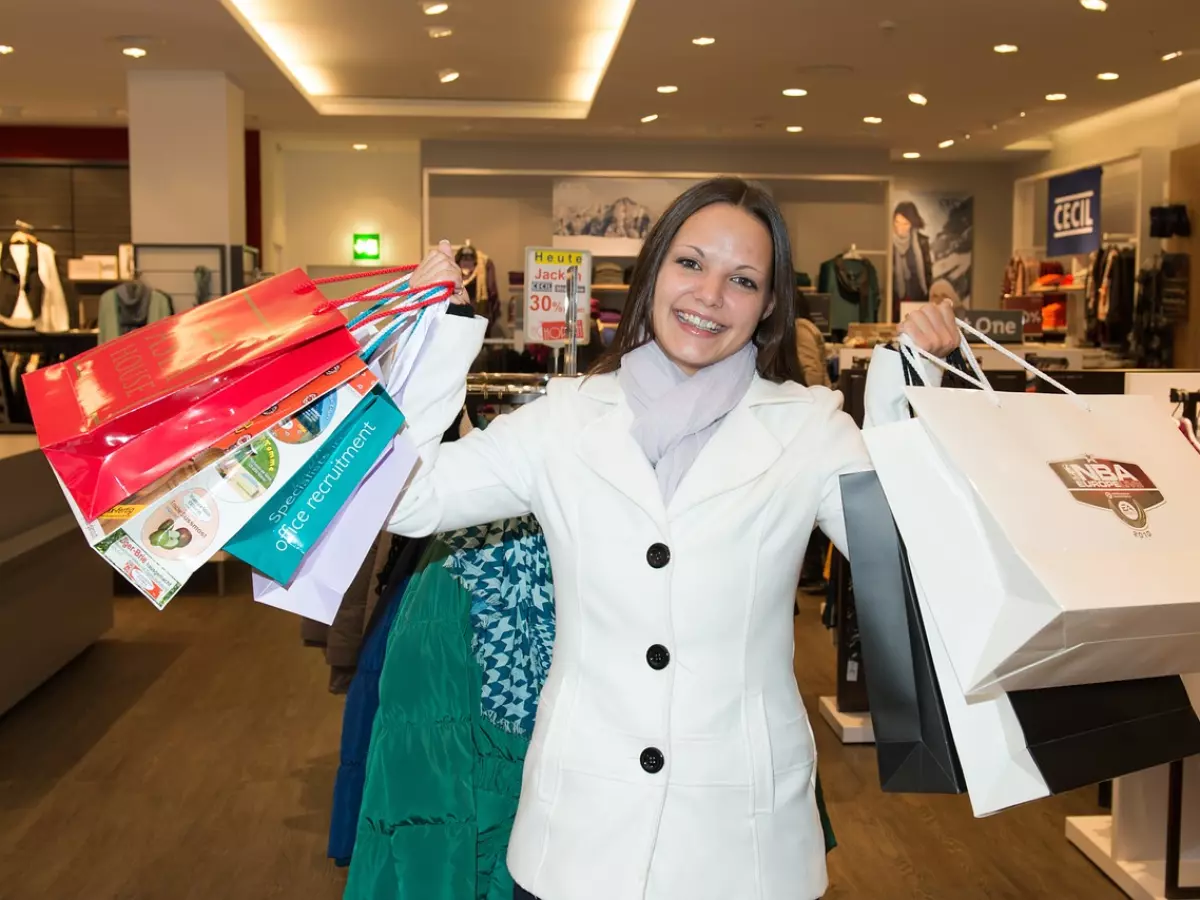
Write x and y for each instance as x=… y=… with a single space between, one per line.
x=445 y=294
x=447 y=287
x=353 y=276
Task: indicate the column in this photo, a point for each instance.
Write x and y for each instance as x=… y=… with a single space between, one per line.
x=186 y=158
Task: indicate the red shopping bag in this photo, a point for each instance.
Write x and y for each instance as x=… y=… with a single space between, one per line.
x=116 y=418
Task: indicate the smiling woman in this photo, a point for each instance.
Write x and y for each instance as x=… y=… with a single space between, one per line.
x=715 y=273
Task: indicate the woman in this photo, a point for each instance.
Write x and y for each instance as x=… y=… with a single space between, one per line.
x=810 y=346
x=677 y=486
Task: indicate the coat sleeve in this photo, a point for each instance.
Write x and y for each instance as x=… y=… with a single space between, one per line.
x=486 y=475
x=885 y=403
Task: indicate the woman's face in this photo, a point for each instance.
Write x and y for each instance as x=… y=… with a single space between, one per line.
x=901 y=225
x=712 y=289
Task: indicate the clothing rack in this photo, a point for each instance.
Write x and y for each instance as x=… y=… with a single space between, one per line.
x=502 y=386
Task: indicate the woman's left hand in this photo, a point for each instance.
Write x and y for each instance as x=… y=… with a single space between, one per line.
x=932 y=328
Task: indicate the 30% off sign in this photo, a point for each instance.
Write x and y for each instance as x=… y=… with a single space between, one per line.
x=548 y=272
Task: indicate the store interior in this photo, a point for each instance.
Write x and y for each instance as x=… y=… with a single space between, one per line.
x=1038 y=163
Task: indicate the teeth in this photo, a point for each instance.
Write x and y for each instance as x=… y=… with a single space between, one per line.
x=698 y=322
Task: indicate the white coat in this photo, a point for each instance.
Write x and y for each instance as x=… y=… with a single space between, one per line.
x=672 y=758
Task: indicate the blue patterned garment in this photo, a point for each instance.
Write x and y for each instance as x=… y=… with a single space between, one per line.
x=506 y=568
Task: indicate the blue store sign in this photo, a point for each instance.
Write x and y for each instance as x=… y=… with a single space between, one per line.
x=1074 y=225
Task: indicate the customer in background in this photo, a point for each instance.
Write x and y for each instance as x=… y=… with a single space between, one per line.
x=810 y=346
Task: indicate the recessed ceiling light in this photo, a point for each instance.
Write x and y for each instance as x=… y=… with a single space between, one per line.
x=447 y=75
x=967 y=136
x=918 y=99
x=5 y=49
x=795 y=129
x=1167 y=57
x=360 y=146
x=795 y=92
x=134 y=52
x=1006 y=48
x=704 y=41
x=944 y=144
x=667 y=89
x=435 y=9
x=912 y=154
x=1054 y=98
x=646 y=120
x=873 y=120
x=1023 y=114
x=1108 y=76
x=439 y=31
x=1094 y=5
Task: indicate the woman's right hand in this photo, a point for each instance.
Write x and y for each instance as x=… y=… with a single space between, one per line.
x=439 y=265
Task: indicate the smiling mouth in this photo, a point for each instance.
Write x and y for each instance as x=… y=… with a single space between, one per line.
x=699 y=322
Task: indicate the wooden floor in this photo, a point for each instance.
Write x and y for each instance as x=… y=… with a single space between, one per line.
x=192 y=753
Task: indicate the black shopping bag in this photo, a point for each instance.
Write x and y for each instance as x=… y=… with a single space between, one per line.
x=1084 y=734
x=913 y=743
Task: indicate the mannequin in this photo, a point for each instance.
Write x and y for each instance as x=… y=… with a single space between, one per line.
x=479 y=280
x=31 y=293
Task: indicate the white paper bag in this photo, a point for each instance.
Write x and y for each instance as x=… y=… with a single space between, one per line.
x=1053 y=534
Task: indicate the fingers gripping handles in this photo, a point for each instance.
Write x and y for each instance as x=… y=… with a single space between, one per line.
x=910 y=351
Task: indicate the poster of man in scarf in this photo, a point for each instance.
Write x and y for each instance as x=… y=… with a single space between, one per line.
x=932 y=247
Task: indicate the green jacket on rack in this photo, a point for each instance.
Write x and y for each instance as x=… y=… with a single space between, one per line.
x=853 y=286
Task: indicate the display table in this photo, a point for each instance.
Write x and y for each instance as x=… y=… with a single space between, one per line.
x=55 y=591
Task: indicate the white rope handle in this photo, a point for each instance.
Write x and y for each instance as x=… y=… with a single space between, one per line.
x=911 y=351
x=1023 y=363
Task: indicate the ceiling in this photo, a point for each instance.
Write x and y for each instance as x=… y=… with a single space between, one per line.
x=529 y=68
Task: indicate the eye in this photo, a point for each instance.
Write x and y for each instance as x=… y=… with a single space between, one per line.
x=688 y=263
x=745 y=282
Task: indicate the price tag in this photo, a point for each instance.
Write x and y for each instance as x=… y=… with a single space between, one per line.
x=546 y=273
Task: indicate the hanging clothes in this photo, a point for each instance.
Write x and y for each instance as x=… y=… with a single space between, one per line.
x=130 y=306
x=31 y=293
x=466 y=659
x=853 y=286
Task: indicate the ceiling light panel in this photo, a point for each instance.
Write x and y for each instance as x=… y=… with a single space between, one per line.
x=945 y=145
x=1006 y=48
x=342 y=78
x=653 y=117
x=439 y=31
x=919 y=99
x=5 y=49
x=1094 y=5
x=912 y=154
x=134 y=52
x=360 y=146
x=667 y=89
x=446 y=76
x=795 y=92
x=1108 y=76
x=704 y=41
x=1167 y=57
x=873 y=120
x=1056 y=98
x=435 y=8
x=795 y=129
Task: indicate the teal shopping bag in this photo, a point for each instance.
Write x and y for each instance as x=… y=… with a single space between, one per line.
x=276 y=540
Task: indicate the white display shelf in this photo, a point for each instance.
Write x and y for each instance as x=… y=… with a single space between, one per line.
x=1092 y=835
x=851 y=728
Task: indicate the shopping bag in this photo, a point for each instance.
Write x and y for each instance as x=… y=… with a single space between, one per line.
x=327 y=571
x=1072 y=519
x=913 y=743
x=297 y=418
x=164 y=543
x=278 y=537
x=114 y=419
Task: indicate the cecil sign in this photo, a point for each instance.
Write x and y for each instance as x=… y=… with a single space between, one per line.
x=1074 y=223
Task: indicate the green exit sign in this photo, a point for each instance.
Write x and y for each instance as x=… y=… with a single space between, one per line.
x=366 y=246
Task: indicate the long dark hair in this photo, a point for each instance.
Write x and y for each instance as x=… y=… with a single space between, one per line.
x=775 y=335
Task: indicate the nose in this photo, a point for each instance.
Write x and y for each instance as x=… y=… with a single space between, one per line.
x=711 y=290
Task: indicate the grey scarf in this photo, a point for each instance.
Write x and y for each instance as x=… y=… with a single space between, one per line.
x=674 y=415
x=907 y=259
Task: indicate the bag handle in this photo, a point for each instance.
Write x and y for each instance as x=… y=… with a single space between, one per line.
x=907 y=343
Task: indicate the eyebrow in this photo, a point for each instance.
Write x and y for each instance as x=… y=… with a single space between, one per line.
x=700 y=253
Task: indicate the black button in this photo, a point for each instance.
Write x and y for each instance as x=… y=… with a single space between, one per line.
x=658 y=555
x=658 y=656
x=653 y=760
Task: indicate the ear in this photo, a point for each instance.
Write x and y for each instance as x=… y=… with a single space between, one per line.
x=767 y=310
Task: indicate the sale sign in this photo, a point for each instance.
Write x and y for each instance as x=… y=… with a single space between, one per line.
x=547 y=273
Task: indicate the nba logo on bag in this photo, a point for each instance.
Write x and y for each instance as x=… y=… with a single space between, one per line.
x=1121 y=487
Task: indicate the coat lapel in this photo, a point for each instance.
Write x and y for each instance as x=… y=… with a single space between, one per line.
x=607 y=448
x=740 y=451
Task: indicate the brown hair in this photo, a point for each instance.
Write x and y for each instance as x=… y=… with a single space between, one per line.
x=775 y=335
